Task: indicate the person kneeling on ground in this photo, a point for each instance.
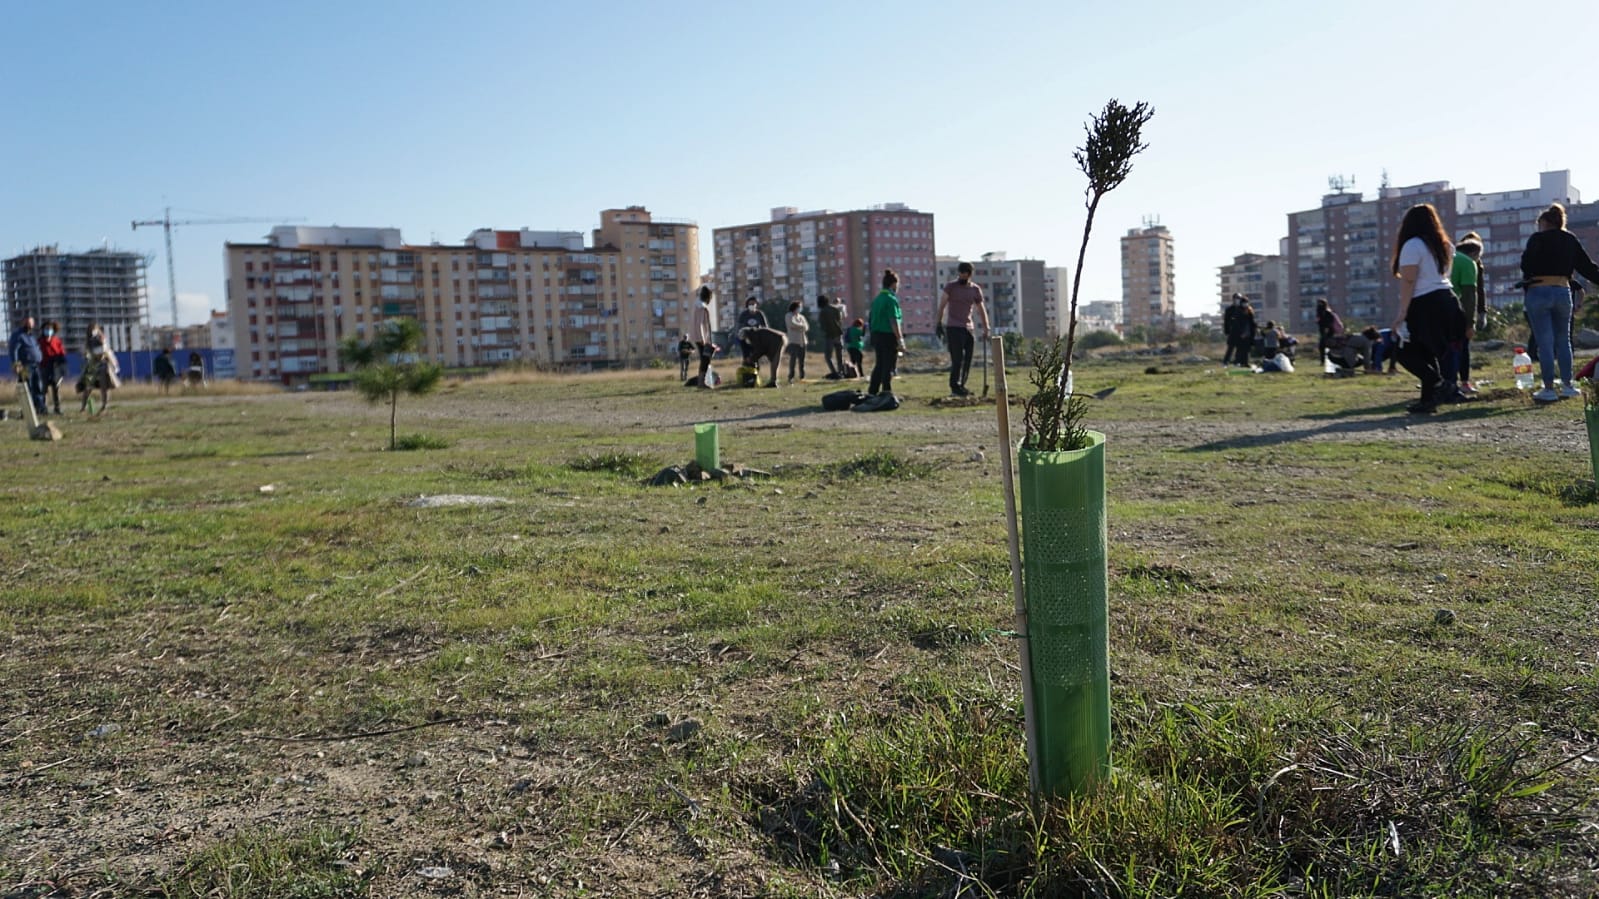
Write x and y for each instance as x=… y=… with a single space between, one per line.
x=764 y=343
x=1349 y=351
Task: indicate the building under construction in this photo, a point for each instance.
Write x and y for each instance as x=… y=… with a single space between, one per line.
x=77 y=290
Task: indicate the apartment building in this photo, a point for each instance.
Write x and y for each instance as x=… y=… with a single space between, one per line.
x=1099 y=315
x=1149 y=282
x=659 y=277
x=79 y=289
x=1058 y=301
x=1263 y=279
x=1505 y=220
x=499 y=296
x=800 y=255
x=1343 y=252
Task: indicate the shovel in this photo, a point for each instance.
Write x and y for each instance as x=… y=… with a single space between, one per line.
x=985 y=369
x=36 y=430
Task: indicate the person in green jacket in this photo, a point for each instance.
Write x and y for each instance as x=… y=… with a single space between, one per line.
x=1466 y=276
x=855 y=342
x=888 y=341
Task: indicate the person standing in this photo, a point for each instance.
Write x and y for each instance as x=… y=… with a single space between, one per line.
x=1328 y=326
x=884 y=321
x=1427 y=304
x=685 y=353
x=1552 y=256
x=1466 y=276
x=54 y=366
x=166 y=371
x=26 y=361
x=797 y=329
x=831 y=314
x=855 y=342
x=1229 y=327
x=99 y=368
x=699 y=331
x=960 y=297
x=1244 y=332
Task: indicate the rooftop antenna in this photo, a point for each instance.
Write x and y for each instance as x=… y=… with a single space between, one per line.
x=1338 y=183
x=1151 y=221
x=1385 y=179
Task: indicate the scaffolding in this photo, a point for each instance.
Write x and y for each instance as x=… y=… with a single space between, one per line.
x=104 y=286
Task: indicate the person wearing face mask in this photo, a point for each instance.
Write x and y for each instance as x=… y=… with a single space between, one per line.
x=750 y=319
x=54 y=366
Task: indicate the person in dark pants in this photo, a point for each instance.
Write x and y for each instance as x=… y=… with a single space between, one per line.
x=831 y=315
x=1328 y=326
x=1427 y=304
x=764 y=343
x=1229 y=326
x=26 y=358
x=166 y=371
x=888 y=340
x=855 y=340
x=1244 y=330
x=685 y=354
x=961 y=297
x=699 y=331
x=1466 y=274
x=53 y=370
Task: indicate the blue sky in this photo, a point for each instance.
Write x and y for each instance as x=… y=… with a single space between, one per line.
x=438 y=119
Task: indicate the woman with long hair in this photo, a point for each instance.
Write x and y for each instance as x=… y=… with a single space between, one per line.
x=1552 y=256
x=99 y=368
x=1428 y=306
x=887 y=338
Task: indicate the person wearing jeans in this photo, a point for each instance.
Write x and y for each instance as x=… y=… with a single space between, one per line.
x=1552 y=256
x=961 y=297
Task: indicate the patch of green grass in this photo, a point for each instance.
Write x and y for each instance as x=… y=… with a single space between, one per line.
x=420 y=442
x=630 y=465
x=312 y=863
x=886 y=464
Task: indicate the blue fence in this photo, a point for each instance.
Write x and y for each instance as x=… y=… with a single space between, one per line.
x=139 y=365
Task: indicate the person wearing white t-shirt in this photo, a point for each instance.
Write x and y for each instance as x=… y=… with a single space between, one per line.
x=1427 y=304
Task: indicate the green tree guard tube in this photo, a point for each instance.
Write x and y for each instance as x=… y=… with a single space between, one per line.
x=1592 y=414
x=707 y=446
x=1063 y=570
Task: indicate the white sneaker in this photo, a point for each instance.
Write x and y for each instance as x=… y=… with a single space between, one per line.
x=1545 y=395
x=1570 y=390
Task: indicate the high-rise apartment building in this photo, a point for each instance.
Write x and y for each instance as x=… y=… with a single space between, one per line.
x=1013 y=290
x=1058 y=301
x=500 y=296
x=1149 y=282
x=1343 y=252
x=659 y=276
x=1505 y=220
x=78 y=290
x=1263 y=280
x=799 y=255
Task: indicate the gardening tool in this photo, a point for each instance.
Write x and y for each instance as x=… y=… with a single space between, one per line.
x=36 y=429
x=985 y=369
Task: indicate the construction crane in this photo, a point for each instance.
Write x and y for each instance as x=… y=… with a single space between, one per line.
x=167 y=224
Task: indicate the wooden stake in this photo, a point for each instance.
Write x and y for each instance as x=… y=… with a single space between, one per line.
x=1029 y=716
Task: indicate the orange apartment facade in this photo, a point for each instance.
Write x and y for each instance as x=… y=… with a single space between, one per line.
x=500 y=297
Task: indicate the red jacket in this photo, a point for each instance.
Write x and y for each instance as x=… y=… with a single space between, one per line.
x=52 y=349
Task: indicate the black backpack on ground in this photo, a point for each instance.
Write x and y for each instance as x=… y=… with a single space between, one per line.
x=883 y=402
x=839 y=400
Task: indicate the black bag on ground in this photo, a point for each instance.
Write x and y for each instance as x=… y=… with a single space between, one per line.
x=839 y=400
x=883 y=402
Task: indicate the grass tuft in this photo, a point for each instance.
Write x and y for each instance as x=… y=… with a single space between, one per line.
x=308 y=864
x=885 y=464
x=420 y=442
x=628 y=465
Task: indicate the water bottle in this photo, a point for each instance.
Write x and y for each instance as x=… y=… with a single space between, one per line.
x=1522 y=365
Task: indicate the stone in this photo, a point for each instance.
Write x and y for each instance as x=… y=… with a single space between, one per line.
x=416 y=760
x=1443 y=616
x=449 y=500
x=1586 y=338
x=685 y=730
x=46 y=431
